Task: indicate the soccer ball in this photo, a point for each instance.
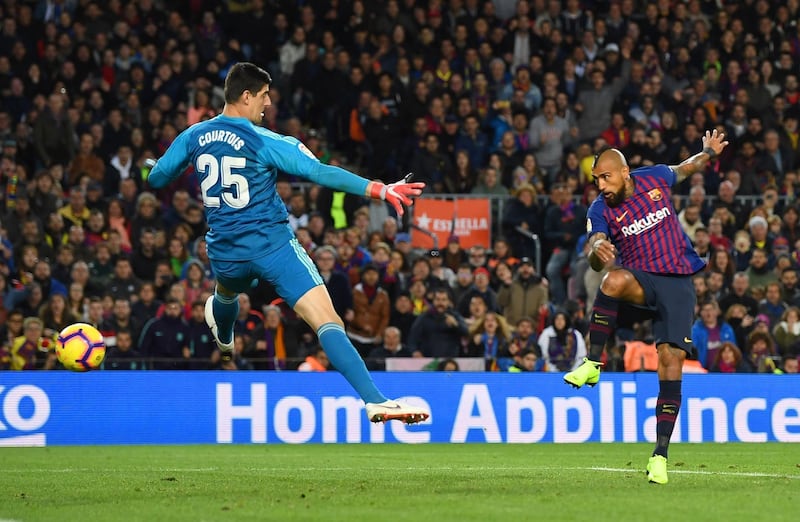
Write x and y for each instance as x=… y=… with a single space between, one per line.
x=80 y=347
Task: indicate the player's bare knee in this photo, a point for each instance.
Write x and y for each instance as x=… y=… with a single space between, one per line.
x=615 y=283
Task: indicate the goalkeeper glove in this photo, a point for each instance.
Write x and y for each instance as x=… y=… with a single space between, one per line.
x=397 y=194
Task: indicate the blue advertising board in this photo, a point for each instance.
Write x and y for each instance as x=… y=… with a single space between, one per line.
x=62 y=408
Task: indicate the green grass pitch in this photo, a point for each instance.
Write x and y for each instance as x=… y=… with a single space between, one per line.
x=481 y=482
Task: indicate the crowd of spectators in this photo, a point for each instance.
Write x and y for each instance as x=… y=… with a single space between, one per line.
x=506 y=98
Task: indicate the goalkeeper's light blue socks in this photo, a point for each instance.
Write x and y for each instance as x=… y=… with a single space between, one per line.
x=345 y=358
x=226 y=310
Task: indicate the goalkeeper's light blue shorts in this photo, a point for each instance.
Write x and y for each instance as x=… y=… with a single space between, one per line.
x=289 y=269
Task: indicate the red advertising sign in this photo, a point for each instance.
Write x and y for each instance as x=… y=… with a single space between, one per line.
x=469 y=219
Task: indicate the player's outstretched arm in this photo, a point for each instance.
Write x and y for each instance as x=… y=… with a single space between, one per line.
x=292 y=157
x=713 y=144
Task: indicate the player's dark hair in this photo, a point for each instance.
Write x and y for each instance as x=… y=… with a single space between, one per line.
x=245 y=76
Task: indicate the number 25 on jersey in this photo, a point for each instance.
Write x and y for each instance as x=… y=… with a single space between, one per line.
x=235 y=191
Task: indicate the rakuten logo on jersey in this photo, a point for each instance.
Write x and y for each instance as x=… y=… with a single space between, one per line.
x=646 y=223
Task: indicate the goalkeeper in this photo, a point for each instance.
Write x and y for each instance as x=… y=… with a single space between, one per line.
x=249 y=237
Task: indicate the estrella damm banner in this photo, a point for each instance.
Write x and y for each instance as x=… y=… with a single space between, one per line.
x=469 y=219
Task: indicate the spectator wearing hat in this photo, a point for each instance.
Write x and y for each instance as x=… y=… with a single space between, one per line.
x=438 y=268
x=709 y=332
x=402 y=243
x=521 y=219
x=10 y=150
x=759 y=232
x=480 y=287
x=371 y=309
x=451 y=130
x=526 y=296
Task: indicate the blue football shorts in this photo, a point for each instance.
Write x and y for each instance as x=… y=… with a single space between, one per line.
x=289 y=269
x=669 y=302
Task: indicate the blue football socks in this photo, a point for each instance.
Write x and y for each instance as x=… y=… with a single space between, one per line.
x=226 y=310
x=345 y=358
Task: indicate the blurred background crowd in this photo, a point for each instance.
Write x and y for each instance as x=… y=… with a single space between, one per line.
x=509 y=99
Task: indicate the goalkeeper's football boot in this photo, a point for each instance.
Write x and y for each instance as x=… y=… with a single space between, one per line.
x=586 y=373
x=396 y=410
x=657 y=470
x=225 y=349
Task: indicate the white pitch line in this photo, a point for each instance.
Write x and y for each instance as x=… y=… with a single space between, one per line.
x=479 y=469
x=744 y=474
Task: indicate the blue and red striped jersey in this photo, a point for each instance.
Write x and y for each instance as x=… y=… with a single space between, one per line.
x=644 y=228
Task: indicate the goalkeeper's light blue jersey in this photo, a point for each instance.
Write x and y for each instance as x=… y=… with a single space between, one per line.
x=236 y=164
